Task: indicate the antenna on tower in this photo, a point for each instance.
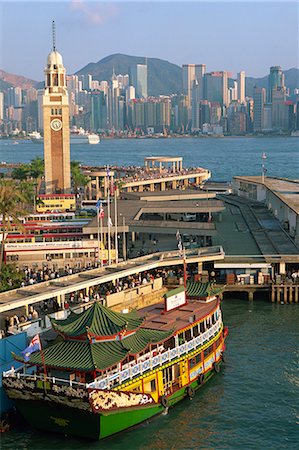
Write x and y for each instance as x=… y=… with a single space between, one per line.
x=54 y=35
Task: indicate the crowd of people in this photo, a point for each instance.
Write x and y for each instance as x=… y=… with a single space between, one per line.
x=141 y=174
x=13 y=324
x=33 y=275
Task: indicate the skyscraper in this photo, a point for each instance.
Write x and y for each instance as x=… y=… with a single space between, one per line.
x=216 y=87
x=191 y=73
x=56 y=126
x=259 y=98
x=241 y=86
x=275 y=80
x=138 y=79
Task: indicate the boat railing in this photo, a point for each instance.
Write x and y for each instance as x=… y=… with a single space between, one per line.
x=147 y=362
x=19 y=374
x=132 y=370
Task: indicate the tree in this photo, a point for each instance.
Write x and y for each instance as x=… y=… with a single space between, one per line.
x=12 y=203
x=37 y=170
x=21 y=173
x=10 y=277
x=78 y=178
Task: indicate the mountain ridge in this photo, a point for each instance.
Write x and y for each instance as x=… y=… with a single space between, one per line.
x=164 y=77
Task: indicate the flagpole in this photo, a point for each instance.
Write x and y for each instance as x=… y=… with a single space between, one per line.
x=115 y=220
x=185 y=268
x=43 y=363
x=98 y=223
x=102 y=244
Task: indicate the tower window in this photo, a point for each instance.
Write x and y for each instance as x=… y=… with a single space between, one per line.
x=55 y=67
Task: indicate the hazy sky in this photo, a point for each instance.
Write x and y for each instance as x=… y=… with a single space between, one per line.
x=232 y=36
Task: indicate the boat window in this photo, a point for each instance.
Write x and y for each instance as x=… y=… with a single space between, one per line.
x=188 y=335
x=169 y=343
x=153 y=385
x=136 y=388
x=192 y=362
x=208 y=351
x=195 y=331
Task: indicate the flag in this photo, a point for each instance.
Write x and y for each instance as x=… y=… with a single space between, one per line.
x=99 y=204
x=34 y=346
x=178 y=236
x=108 y=171
x=101 y=213
x=110 y=222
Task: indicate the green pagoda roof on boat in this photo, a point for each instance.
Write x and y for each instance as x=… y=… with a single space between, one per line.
x=202 y=290
x=97 y=321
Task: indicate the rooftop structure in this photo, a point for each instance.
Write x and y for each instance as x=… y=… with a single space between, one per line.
x=280 y=196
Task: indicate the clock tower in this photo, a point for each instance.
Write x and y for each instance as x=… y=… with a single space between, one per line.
x=56 y=126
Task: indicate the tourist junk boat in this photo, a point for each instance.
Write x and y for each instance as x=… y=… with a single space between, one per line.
x=108 y=371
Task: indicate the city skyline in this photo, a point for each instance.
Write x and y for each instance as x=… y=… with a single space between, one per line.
x=228 y=41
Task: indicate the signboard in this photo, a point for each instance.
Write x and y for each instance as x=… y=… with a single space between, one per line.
x=175 y=298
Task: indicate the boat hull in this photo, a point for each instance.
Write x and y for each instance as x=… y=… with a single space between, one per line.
x=56 y=417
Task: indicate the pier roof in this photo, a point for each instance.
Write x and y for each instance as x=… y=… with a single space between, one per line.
x=287 y=190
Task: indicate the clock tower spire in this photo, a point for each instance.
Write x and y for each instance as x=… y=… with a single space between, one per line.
x=56 y=124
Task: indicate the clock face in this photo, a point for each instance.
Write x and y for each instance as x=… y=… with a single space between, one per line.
x=56 y=124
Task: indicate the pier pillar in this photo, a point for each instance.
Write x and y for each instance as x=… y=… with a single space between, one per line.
x=285 y=294
x=129 y=189
x=97 y=186
x=61 y=300
x=273 y=294
x=250 y=296
x=279 y=295
x=186 y=182
x=174 y=184
x=140 y=188
x=152 y=187
x=296 y=293
x=282 y=268
x=199 y=267
x=163 y=185
x=290 y=294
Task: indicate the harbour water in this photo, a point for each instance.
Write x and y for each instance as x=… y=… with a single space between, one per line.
x=225 y=157
x=254 y=402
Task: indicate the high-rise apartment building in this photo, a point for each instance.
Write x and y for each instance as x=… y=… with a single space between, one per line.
x=241 y=86
x=98 y=111
x=138 y=79
x=259 y=98
x=56 y=127
x=86 y=81
x=280 y=109
x=275 y=80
